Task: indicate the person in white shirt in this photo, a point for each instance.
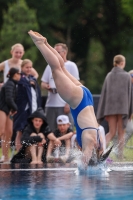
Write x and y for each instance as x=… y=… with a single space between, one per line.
x=55 y=105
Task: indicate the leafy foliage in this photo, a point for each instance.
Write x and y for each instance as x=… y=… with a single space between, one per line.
x=17 y=21
x=95 y=31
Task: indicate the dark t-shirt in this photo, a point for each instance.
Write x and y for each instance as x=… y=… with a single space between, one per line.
x=57 y=133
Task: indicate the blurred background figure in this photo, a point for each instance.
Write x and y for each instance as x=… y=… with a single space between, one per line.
x=17 y=52
x=115 y=104
x=8 y=109
x=28 y=99
x=129 y=127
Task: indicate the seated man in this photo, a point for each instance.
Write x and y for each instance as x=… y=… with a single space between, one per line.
x=64 y=134
x=34 y=138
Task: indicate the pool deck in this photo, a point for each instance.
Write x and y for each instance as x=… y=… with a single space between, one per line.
x=52 y=166
x=37 y=167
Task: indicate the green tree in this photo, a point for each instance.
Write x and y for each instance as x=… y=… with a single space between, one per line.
x=17 y=21
x=94 y=31
x=3 y=7
x=58 y=21
x=78 y=23
x=127 y=5
x=87 y=27
x=50 y=16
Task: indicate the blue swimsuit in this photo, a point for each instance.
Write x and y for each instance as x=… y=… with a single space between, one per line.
x=87 y=100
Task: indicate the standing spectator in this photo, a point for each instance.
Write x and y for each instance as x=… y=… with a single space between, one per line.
x=64 y=134
x=115 y=104
x=55 y=105
x=28 y=99
x=129 y=127
x=17 y=52
x=8 y=108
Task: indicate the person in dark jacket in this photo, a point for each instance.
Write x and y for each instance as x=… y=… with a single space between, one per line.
x=28 y=99
x=34 y=139
x=8 y=109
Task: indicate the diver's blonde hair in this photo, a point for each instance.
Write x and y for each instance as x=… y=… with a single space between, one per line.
x=118 y=59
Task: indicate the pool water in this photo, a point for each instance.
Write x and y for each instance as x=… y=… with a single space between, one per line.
x=28 y=182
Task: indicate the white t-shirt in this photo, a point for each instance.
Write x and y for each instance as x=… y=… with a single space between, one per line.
x=54 y=100
x=34 y=99
x=6 y=70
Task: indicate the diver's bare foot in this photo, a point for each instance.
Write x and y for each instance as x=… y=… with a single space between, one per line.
x=37 y=37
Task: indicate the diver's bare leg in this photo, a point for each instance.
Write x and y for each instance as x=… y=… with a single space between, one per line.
x=72 y=78
x=121 y=137
x=65 y=87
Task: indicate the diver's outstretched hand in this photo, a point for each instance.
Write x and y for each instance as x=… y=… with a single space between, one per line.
x=37 y=37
